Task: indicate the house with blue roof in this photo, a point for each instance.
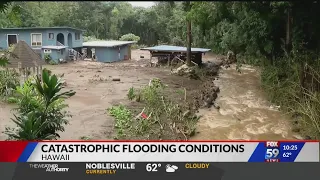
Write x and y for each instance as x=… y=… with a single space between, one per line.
x=57 y=42
x=65 y=43
x=108 y=51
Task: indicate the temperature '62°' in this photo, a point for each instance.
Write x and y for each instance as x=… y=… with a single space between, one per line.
x=286 y=154
x=153 y=167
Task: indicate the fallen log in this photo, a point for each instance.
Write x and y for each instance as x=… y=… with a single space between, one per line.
x=115 y=79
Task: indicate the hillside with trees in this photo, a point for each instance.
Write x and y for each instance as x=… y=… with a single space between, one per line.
x=283 y=38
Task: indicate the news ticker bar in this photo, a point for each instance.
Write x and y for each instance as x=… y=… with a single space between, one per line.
x=268 y=151
x=159 y=170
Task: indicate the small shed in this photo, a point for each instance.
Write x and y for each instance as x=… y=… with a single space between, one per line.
x=25 y=60
x=56 y=53
x=175 y=52
x=108 y=51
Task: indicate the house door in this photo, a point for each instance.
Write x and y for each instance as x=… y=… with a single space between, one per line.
x=12 y=39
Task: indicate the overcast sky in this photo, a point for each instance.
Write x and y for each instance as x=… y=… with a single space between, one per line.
x=141 y=3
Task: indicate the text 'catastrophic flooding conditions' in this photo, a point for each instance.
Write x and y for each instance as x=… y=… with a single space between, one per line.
x=103 y=152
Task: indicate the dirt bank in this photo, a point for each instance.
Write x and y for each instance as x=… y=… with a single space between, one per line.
x=244 y=113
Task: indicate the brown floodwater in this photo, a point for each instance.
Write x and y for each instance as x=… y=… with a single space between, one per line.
x=245 y=113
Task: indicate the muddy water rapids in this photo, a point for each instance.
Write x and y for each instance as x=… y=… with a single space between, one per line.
x=245 y=113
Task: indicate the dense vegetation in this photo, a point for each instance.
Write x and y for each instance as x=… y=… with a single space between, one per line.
x=281 y=37
x=40 y=113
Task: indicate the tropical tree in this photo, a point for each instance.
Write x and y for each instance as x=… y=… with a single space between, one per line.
x=40 y=112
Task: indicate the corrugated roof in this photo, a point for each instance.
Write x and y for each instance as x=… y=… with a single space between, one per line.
x=62 y=27
x=54 y=47
x=167 y=48
x=106 y=43
x=23 y=54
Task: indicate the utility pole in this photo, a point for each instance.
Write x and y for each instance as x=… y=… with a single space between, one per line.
x=188 y=7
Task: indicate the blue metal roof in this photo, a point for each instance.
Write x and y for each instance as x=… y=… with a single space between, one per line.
x=166 y=48
x=106 y=43
x=61 y=27
x=54 y=47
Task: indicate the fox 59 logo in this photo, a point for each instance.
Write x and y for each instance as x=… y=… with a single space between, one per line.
x=272 y=150
x=272 y=153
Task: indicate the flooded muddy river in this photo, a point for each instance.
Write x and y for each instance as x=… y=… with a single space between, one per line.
x=245 y=113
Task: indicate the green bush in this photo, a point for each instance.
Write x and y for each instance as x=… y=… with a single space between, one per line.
x=51 y=62
x=129 y=37
x=131 y=93
x=41 y=113
x=123 y=118
x=8 y=81
x=47 y=58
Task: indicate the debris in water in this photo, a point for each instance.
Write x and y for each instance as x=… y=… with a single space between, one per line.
x=216 y=89
x=274 y=107
x=186 y=114
x=231 y=57
x=307 y=138
x=182 y=70
x=296 y=130
x=298 y=137
x=216 y=106
x=116 y=79
x=144 y=116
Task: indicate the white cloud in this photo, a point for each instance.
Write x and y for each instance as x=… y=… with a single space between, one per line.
x=145 y=4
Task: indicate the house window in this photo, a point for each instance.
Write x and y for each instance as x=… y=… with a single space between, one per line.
x=36 y=39
x=47 y=51
x=51 y=36
x=77 y=36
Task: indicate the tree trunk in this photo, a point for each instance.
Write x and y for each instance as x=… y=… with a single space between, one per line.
x=288 y=31
x=188 y=42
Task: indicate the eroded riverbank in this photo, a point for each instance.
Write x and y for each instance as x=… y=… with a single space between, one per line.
x=244 y=113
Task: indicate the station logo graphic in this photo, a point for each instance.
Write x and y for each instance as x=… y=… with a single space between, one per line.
x=49 y=167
